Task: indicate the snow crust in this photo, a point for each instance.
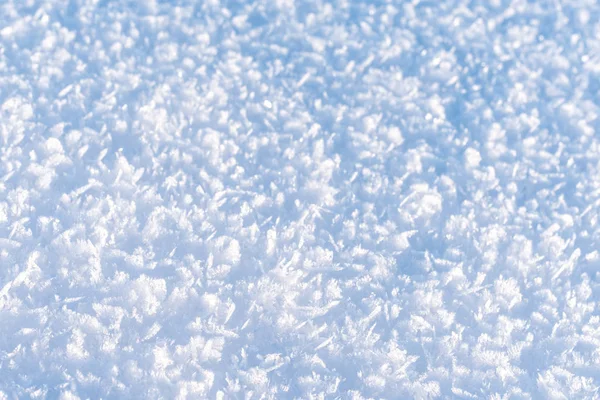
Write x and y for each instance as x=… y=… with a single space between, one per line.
x=308 y=199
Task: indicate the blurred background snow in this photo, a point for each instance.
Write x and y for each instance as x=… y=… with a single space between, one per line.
x=299 y=199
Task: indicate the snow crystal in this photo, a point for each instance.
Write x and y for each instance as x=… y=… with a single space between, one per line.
x=299 y=199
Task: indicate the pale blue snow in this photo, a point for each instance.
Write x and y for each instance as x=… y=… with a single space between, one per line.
x=299 y=199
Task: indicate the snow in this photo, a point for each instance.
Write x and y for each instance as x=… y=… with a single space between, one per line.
x=299 y=199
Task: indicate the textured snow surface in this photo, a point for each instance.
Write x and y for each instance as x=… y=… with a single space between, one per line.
x=299 y=199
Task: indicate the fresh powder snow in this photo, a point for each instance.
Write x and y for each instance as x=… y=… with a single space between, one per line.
x=307 y=199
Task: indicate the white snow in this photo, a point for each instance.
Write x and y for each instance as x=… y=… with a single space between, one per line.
x=299 y=199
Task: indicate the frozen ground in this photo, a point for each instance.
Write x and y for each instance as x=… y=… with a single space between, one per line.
x=299 y=199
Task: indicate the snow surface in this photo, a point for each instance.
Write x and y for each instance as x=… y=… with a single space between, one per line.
x=299 y=199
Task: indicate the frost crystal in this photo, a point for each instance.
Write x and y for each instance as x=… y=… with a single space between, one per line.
x=299 y=199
